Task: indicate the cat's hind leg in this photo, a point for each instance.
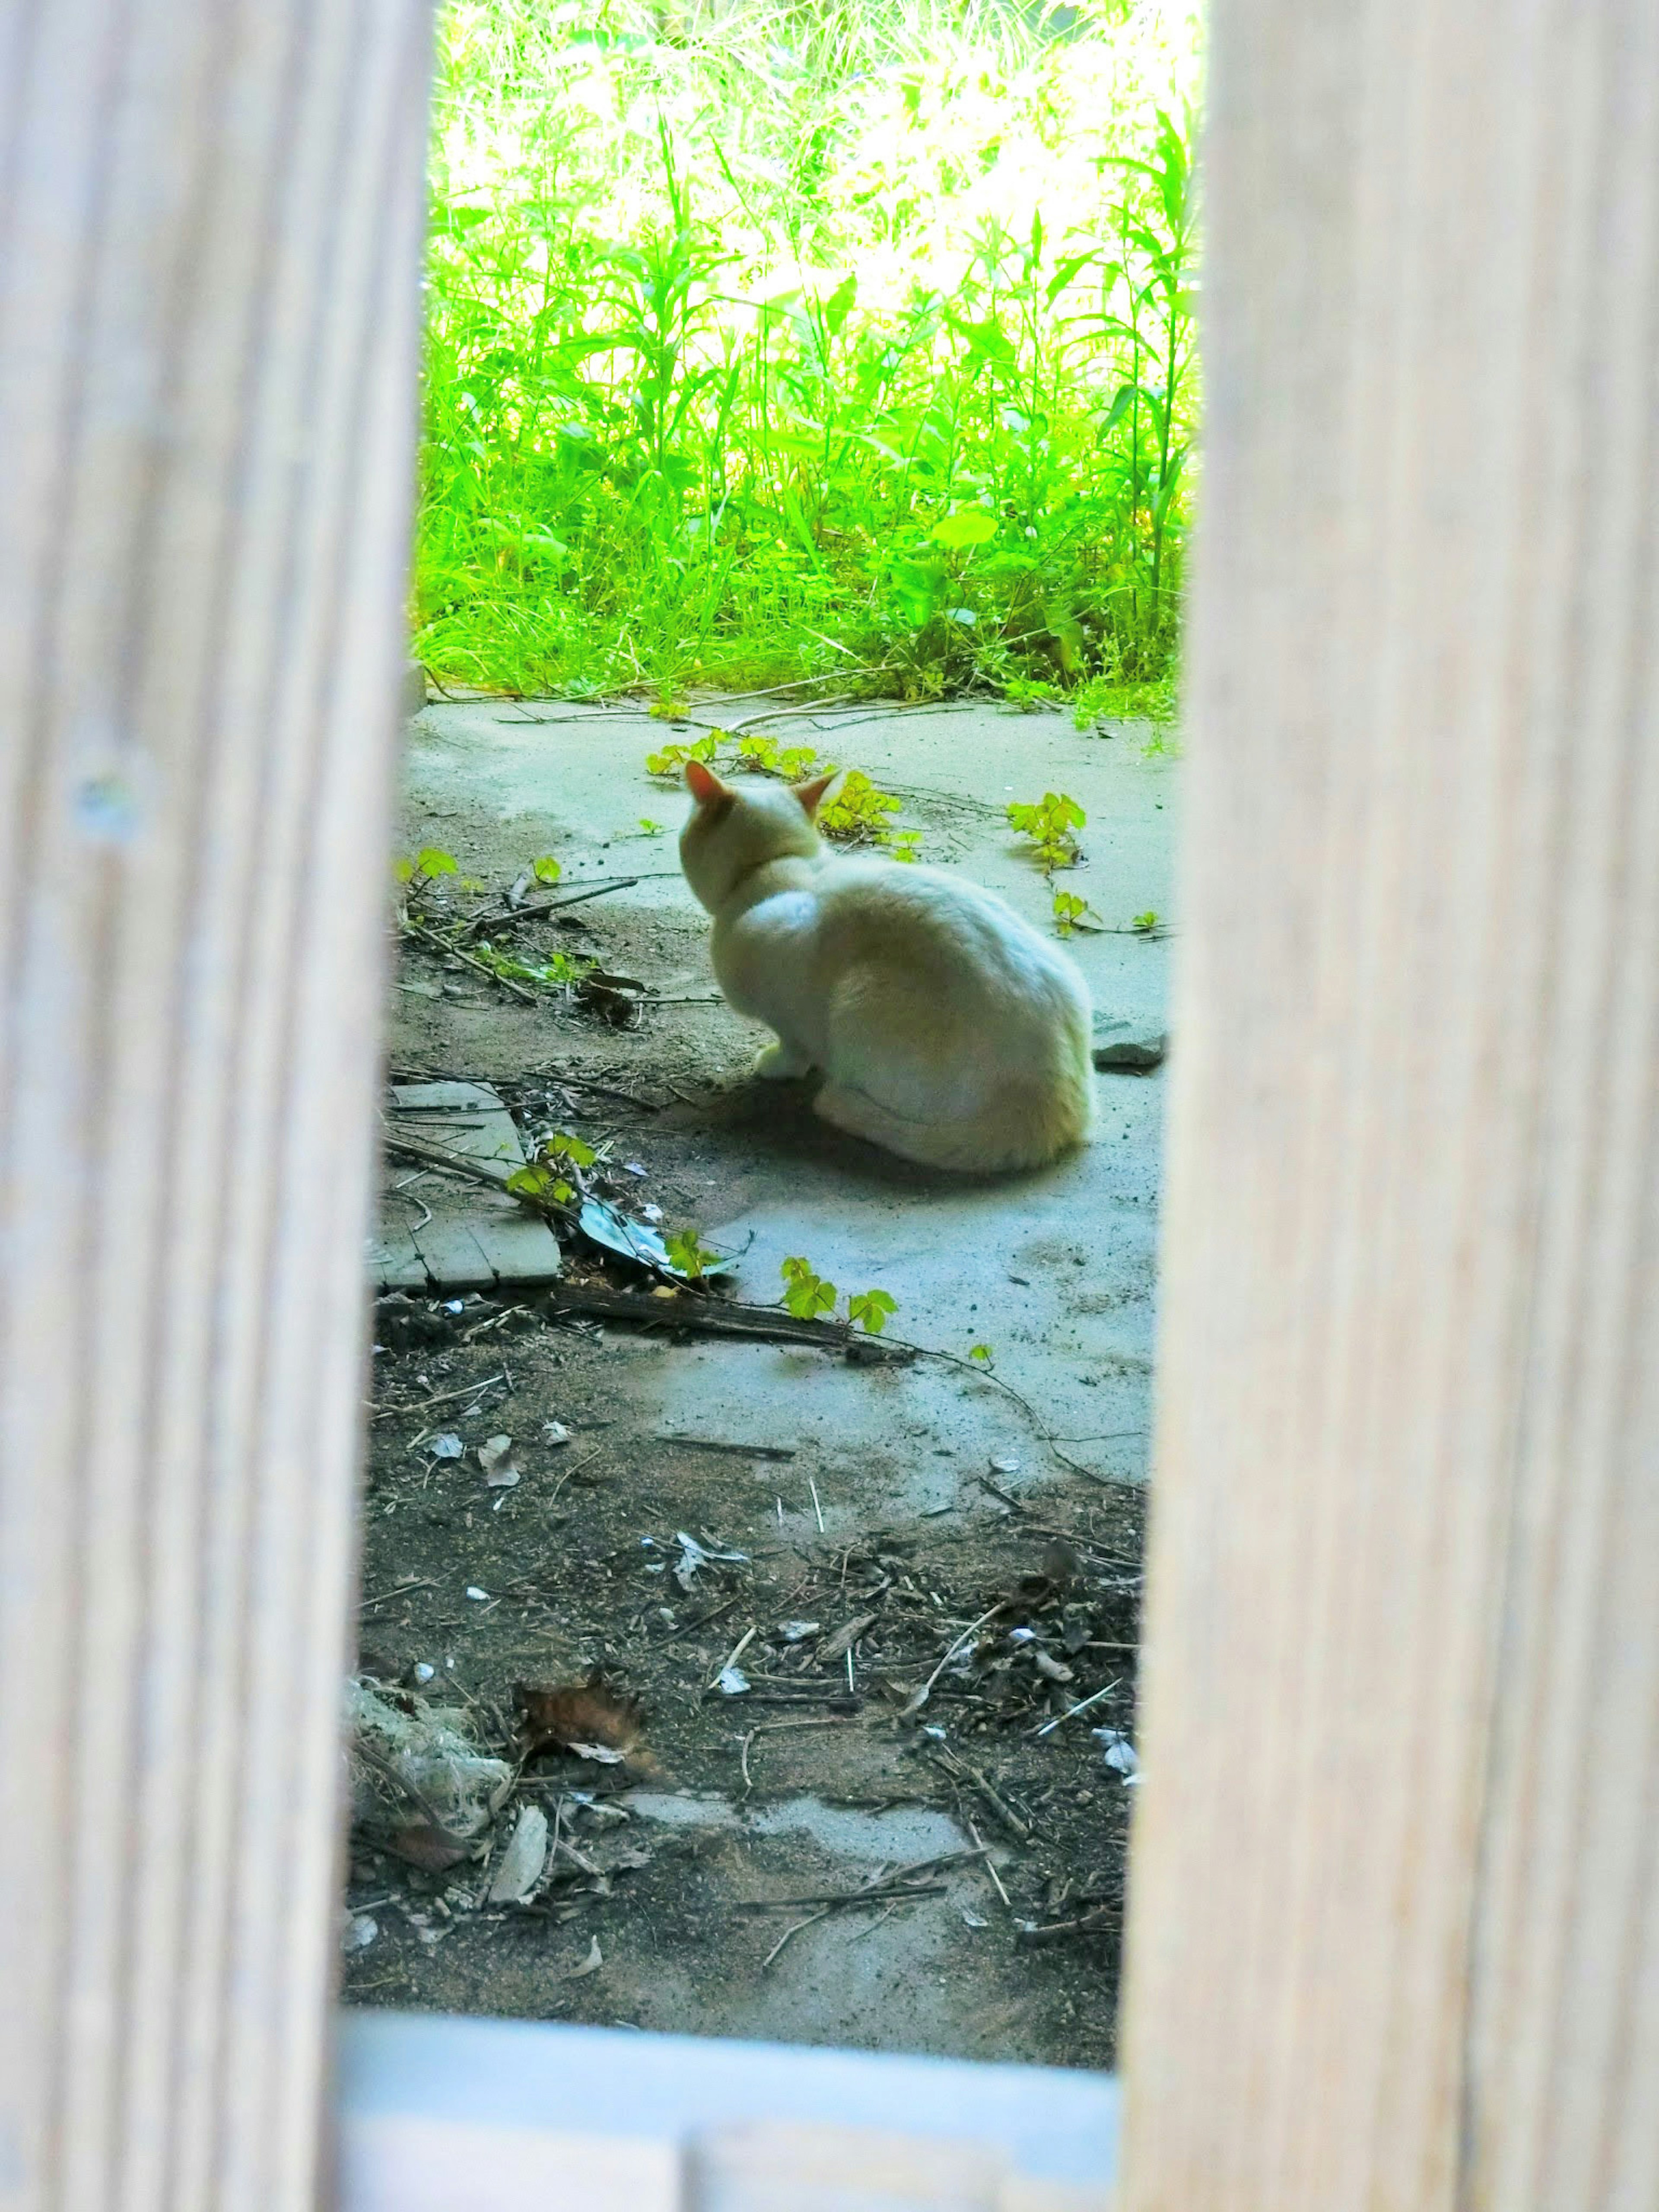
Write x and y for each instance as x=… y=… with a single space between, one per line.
x=861 y=1116
x=778 y=1062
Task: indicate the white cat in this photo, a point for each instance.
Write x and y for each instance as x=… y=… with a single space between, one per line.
x=946 y=1029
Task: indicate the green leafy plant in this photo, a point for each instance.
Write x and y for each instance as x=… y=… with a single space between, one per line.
x=869 y=1309
x=1050 y=823
x=1145 y=923
x=419 y=875
x=542 y=1184
x=857 y=812
x=1071 y=912
x=689 y=1254
x=557 y=973
x=669 y=762
x=649 y=828
x=982 y=1353
x=809 y=1297
x=848 y=347
x=806 y=1293
x=554 y=1176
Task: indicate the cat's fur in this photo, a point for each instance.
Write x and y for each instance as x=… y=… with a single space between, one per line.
x=946 y=1029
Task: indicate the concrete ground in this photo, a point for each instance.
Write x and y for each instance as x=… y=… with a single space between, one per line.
x=1055 y=1271
x=877 y=1498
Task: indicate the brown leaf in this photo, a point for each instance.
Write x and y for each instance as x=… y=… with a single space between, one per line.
x=588 y=1718
x=433 y=1848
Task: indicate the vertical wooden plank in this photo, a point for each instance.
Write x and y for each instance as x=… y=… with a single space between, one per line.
x=208 y=323
x=1393 y=1941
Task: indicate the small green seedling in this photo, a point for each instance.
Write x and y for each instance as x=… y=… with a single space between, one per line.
x=903 y=844
x=688 y=1254
x=541 y=1185
x=669 y=762
x=1049 y=825
x=649 y=828
x=858 y=813
x=805 y=1294
x=1145 y=923
x=810 y=1297
x=869 y=1309
x=555 y=974
x=1072 y=912
x=982 y=1353
x=1030 y=694
x=553 y=1177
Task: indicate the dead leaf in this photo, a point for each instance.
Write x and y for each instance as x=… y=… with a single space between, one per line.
x=501 y=1469
x=435 y=1849
x=589 y=1719
x=523 y=1859
x=620 y=999
x=844 y=1637
x=590 y=1964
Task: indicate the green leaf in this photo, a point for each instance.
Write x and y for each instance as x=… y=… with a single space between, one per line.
x=688 y=1253
x=546 y=870
x=869 y=1310
x=970 y=526
x=806 y=1295
x=432 y=862
x=981 y=1353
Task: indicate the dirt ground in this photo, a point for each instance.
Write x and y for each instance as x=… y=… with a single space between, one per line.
x=918 y=1506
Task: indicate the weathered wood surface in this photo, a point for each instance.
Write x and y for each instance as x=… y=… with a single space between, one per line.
x=1394 y=1939
x=211 y=211
x=438 y=1233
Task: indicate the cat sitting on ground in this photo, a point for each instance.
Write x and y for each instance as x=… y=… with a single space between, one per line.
x=946 y=1029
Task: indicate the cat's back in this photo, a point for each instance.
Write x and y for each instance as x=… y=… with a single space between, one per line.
x=931 y=918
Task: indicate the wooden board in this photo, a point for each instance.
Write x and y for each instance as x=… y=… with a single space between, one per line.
x=1393 y=1942
x=473 y=1238
x=208 y=341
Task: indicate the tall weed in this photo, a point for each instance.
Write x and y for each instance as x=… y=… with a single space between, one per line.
x=771 y=340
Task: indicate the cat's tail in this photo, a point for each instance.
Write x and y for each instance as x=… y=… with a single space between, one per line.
x=1026 y=1126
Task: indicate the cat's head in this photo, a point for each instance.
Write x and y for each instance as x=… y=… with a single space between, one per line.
x=733 y=829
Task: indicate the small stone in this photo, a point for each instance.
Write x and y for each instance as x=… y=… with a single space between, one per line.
x=359 y=1932
x=1121 y=1045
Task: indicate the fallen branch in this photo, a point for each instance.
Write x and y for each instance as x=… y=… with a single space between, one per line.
x=452 y=951
x=959 y=1770
x=707 y=1316
x=534 y=909
x=433 y=1154
x=1055 y=1931
x=902 y=1882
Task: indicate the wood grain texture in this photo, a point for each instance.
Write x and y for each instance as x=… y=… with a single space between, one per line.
x=211 y=211
x=1394 y=1943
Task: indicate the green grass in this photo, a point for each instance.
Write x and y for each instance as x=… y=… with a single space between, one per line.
x=840 y=340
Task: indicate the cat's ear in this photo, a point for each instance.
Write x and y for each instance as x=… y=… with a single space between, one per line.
x=704 y=786
x=811 y=794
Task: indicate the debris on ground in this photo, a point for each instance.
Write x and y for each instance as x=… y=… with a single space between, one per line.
x=723 y=1667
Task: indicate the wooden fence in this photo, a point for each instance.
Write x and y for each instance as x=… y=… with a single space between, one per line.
x=1394 y=1943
